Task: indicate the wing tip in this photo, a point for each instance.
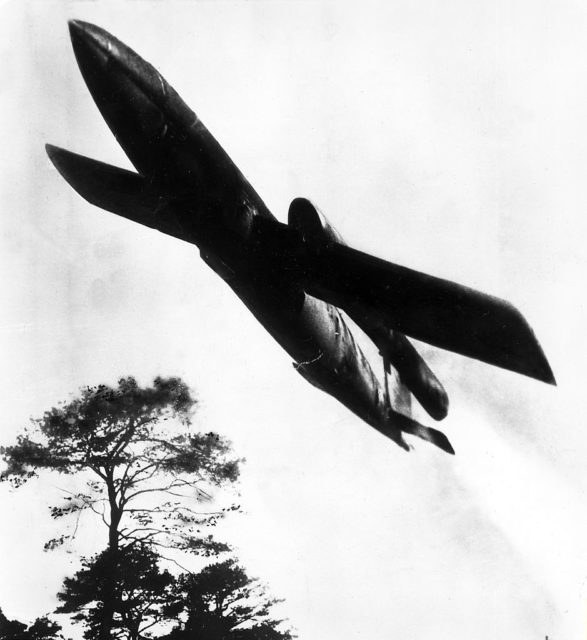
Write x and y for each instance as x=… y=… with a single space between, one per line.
x=535 y=364
x=547 y=374
x=548 y=377
x=73 y=169
x=61 y=160
x=53 y=153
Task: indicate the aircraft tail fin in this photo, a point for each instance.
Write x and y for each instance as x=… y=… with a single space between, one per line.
x=429 y=434
x=119 y=191
x=397 y=424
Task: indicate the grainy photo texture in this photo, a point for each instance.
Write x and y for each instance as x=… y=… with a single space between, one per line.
x=248 y=249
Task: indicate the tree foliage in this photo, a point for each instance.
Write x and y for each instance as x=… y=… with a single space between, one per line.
x=10 y=628
x=41 y=629
x=148 y=478
x=143 y=475
x=145 y=478
x=142 y=590
x=222 y=602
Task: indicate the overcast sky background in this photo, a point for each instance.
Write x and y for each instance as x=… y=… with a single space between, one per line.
x=446 y=136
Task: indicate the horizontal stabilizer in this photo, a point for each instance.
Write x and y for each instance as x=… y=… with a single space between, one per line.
x=442 y=313
x=119 y=191
x=430 y=435
x=398 y=423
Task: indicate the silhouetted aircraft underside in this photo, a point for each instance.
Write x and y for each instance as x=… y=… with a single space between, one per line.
x=296 y=278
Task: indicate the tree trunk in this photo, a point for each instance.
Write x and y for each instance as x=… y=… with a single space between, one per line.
x=111 y=581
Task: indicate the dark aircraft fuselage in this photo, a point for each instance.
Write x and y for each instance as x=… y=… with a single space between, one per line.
x=295 y=277
x=205 y=197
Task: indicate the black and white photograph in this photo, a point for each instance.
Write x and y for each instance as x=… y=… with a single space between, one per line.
x=292 y=320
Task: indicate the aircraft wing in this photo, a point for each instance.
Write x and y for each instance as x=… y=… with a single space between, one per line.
x=436 y=311
x=119 y=191
x=159 y=133
x=442 y=313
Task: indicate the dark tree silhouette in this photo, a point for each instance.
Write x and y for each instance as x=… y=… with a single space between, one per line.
x=142 y=590
x=10 y=629
x=222 y=602
x=41 y=629
x=144 y=478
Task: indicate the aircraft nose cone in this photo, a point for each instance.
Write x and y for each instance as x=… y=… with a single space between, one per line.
x=92 y=46
x=79 y=28
x=100 y=54
x=89 y=34
x=140 y=108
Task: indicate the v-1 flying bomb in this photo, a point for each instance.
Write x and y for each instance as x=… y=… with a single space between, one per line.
x=299 y=278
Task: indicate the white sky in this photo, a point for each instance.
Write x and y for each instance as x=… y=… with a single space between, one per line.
x=445 y=136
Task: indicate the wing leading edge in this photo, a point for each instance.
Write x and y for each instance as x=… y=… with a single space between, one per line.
x=117 y=190
x=436 y=311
